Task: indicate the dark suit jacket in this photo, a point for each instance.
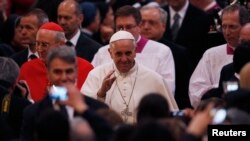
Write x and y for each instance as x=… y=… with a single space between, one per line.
x=192 y=33
x=182 y=73
x=32 y=112
x=14 y=116
x=21 y=57
x=86 y=47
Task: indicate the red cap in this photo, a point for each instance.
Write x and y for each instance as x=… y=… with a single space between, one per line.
x=52 y=26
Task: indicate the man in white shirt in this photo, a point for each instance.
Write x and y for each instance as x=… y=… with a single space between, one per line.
x=207 y=73
x=123 y=82
x=154 y=55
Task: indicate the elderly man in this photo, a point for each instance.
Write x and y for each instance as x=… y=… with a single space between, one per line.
x=123 y=82
x=70 y=17
x=152 y=54
x=49 y=36
x=207 y=73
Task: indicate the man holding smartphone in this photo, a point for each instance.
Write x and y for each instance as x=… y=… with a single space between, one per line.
x=61 y=64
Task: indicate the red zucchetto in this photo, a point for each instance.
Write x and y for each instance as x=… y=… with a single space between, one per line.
x=52 y=26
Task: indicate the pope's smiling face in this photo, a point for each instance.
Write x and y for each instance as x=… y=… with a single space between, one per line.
x=123 y=54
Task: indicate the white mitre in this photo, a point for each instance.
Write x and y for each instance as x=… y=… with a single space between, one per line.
x=121 y=35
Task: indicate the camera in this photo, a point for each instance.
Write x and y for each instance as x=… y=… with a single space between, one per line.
x=58 y=93
x=219 y=115
x=229 y=86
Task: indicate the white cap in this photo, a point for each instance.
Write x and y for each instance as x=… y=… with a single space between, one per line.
x=121 y=35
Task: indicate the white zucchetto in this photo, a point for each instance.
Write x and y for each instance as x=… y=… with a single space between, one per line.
x=121 y=35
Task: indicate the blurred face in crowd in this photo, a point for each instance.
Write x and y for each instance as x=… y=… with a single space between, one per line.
x=61 y=72
x=152 y=27
x=245 y=33
x=176 y=4
x=68 y=18
x=27 y=29
x=128 y=23
x=231 y=27
x=45 y=41
x=123 y=54
x=109 y=18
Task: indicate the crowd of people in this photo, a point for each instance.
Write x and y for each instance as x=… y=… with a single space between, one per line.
x=109 y=70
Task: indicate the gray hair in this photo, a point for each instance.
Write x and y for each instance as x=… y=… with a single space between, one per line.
x=163 y=13
x=42 y=17
x=9 y=70
x=64 y=53
x=60 y=36
x=244 y=15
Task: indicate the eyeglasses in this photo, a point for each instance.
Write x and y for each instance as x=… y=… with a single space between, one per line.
x=125 y=27
x=42 y=44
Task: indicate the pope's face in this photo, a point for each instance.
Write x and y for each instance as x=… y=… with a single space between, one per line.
x=123 y=54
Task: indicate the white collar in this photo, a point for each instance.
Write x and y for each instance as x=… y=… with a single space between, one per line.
x=237 y=75
x=75 y=38
x=181 y=12
x=85 y=30
x=212 y=4
x=30 y=53
x=138 y=39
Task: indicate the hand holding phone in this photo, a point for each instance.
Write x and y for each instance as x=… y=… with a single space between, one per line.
x=58 y=93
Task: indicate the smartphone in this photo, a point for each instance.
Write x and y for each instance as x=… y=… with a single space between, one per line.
x=219 y=115
x=58 y=93
x=229 y=86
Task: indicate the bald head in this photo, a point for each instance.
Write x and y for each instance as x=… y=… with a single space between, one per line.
x=245 y=33
x=69 y=17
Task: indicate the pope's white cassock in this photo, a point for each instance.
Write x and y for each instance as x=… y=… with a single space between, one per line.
x=207 y=73
x=130 y=87
x=154 y=55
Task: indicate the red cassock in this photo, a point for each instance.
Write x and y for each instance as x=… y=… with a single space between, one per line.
x=34 y=73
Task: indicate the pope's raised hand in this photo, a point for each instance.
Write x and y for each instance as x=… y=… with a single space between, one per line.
x=106 y=84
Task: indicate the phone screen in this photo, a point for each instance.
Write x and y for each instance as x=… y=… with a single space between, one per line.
x=230 y=86
x=58 y=93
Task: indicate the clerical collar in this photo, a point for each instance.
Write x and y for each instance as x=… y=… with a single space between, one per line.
x=131 y=71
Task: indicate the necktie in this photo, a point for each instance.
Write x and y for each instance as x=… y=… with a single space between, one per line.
x=32 y=56
x=69 y=44
x=175 y=26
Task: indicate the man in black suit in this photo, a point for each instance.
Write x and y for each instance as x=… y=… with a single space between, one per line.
x=190 y=30
x=28 y=27
x=62 y=71
x=11 y=106
x=153 y=26
x=70 y=18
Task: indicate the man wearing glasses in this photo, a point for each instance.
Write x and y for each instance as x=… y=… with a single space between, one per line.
x=151 y=54
x=49 y=36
